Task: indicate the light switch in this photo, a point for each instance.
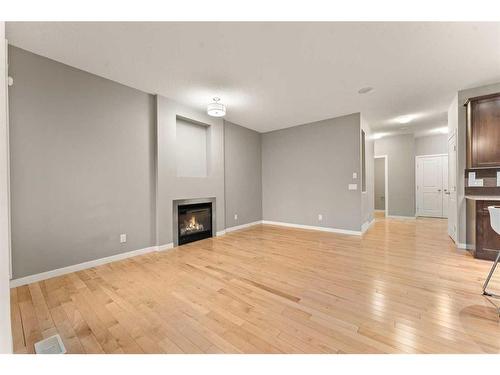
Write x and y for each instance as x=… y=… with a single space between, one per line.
x=320 y=217
x=353 y=186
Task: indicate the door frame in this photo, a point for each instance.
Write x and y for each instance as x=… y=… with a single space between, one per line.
x=416 y=177
x=453 y=134
x=386 y=182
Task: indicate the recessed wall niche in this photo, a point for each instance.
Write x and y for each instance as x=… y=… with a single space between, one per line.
x=192 y=147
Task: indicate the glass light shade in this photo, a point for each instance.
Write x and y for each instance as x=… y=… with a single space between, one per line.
x=216 y=109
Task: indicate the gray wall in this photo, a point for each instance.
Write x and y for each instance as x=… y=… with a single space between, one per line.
x=380 y=184
x=400 y=151
x=170 y=185
x=452 y=207
x=367 y=198
x=82 y=167
x=431 y=145
x=191 y=145
x=306 y=171
x=243 y=174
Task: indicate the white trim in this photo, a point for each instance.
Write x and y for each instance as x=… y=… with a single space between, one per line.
x=7 y=130
x=220 y=233
x=82 y=266
x=5 y=256
x=402 y=217
x=366 y=225
x=243 y=226
x=311 y=227
x=166 y=246
x=386 y=172
x=430 y=155
x=464 y=246
x=452 y=133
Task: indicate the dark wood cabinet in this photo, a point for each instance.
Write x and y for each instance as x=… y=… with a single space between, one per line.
x=483 y=158
x=485 y=240
x=483 y=131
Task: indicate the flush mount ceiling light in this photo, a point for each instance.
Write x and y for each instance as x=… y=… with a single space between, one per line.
x=405 y=119
x=365 y=90
x=216 y=109
x=442 y=130
x=379 y=135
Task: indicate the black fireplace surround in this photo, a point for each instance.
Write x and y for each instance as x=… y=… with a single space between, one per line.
x=194 y=222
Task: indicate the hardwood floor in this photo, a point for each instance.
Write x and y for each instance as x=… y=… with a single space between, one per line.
x=401 y=288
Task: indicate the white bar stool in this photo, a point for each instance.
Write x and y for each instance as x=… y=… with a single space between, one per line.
x=495 y=224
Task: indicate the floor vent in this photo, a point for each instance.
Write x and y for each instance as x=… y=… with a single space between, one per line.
x=50 y=345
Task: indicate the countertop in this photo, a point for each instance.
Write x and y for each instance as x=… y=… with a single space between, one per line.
x=483 y=197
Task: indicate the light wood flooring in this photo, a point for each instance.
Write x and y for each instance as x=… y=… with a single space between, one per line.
x=402 y=287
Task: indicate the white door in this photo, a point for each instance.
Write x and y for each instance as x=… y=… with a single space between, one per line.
x=452 y=189
x=430 y=186
x=446 y=196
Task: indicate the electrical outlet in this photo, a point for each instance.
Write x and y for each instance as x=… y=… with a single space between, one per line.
x=354 y=175
x=235 y=216
x=123 y=238
x=353 y=187
x=320 y=217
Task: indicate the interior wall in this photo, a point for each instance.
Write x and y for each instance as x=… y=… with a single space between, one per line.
x=380 y=184
x=461 y=124
x=400 y=151
x=367 y=197
x=82 y=167
x=306 y=171
x=431 y=145
x=452 y=208
x=191 y=149
x=171 y=186
x=5 y=327
x=92 y=159
x=243 y=175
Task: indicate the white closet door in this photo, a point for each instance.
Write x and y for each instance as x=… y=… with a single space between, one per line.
x=430 y=186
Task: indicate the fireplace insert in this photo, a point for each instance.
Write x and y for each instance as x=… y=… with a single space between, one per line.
x=194 y=222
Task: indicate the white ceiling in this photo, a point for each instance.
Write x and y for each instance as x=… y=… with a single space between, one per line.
x=277 y=75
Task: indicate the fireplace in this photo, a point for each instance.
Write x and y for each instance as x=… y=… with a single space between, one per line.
x=193 y=220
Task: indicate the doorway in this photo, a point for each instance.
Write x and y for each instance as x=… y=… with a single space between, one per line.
x=381 y=186
x=432 y=193
x=452 y=182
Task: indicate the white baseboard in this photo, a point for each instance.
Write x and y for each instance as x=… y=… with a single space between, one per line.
x=166 y=246
x=367 y=225
x=402 y=217
x=243 y=226
x=465 y=246
x=323 y=229
x=85 y=265
x=379 y=210
x=220 y=233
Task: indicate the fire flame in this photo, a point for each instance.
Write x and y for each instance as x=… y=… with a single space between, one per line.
x=192 y=225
